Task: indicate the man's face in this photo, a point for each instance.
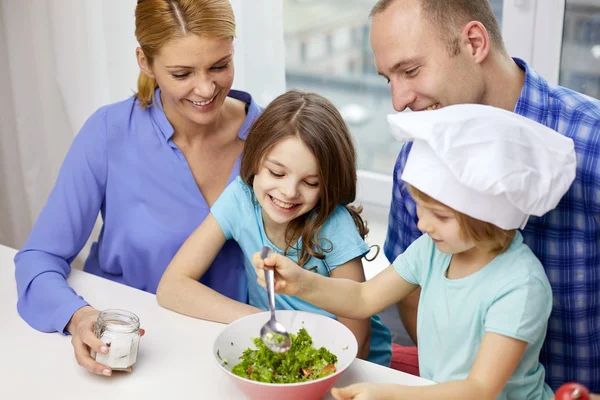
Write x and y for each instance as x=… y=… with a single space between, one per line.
x=415 y=59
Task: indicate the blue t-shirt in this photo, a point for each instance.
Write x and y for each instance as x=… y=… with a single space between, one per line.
x=510 y=296
x=240 y=217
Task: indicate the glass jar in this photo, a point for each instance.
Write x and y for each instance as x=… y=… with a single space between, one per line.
x=120 y=331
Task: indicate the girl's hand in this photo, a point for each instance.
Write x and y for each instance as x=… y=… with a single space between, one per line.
x=81 y=328
x=359 y=391
x=290 y=278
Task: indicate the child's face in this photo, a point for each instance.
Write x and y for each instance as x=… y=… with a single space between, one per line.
x=442 y=226
x=287 y=183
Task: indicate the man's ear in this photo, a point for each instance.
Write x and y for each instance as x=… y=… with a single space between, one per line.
x=143 y=62
x=475 y=38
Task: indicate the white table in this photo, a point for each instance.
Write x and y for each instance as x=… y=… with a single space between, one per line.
x=175 y=359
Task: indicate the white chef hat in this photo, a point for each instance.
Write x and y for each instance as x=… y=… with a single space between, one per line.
x=485 y=162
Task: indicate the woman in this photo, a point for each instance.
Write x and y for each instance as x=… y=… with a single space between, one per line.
x=152 y=165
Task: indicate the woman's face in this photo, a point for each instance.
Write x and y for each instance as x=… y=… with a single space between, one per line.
x=195 y=75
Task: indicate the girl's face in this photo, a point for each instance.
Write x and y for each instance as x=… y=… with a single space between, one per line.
x=287 y=183
x=442 y=226
x=195 y=75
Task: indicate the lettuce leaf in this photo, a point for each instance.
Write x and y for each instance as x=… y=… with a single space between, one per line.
x=301 y=363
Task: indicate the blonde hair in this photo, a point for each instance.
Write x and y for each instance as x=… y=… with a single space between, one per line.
x=482 y=234
x=158 y=22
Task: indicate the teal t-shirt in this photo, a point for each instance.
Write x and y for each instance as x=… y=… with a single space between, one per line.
x=240 y=217
x=510 y=296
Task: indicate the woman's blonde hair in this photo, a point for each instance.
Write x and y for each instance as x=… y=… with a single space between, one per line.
x=315 y=121
x=482 y=234
x=158 y=22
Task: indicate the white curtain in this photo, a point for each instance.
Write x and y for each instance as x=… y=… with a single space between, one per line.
x=60 y=60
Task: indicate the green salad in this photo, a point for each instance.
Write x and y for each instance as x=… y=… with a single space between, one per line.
x=299 y=364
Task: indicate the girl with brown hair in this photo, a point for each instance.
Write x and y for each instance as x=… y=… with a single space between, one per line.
x=151 y=165
x=477 y=173
x=297 y=180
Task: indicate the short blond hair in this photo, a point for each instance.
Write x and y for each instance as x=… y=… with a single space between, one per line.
x=449 y=16
x=482 y=234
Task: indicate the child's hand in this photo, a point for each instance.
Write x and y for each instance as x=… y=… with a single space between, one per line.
x=289 y=276
x=359 y=391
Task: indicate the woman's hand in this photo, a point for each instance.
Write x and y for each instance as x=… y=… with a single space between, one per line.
x=290 y=278
x=81 y=328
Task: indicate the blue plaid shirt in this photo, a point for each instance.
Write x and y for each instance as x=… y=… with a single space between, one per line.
x=566 y=240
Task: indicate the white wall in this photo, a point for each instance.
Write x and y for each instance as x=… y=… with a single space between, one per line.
x=259 y=50
x=55 y=57
x=14 y=218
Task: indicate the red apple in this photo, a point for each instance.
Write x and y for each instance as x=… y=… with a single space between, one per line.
x=572 y=391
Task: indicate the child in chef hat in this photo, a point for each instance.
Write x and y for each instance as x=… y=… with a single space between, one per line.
x=476 y=173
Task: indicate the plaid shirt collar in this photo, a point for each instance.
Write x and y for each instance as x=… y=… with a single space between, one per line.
x=533 y=102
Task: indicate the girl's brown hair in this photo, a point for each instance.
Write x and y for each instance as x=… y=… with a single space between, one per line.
x=482 y=234
x=158 y=22
x=316 y=122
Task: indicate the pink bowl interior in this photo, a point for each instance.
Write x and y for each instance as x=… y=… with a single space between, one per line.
x=325 y=332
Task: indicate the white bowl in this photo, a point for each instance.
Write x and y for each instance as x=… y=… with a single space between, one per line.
x=325 y=332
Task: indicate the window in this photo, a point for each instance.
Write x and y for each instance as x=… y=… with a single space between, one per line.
x=344 y=71
x=580 y=56
x=560 y=39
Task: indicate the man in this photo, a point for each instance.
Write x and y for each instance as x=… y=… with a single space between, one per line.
x=435 y=53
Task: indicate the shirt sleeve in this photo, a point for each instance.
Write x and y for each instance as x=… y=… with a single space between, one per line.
x=345 y=241
x=521 y=310
x=233 y=208
x=402 y=222
x=45 y=301
x=414 y=262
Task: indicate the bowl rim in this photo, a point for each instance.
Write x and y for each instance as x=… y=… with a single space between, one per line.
x=336 y=373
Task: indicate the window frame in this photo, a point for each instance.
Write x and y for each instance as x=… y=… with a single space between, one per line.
x=533 y=30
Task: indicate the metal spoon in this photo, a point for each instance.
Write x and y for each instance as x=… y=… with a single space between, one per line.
x=273 y=334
